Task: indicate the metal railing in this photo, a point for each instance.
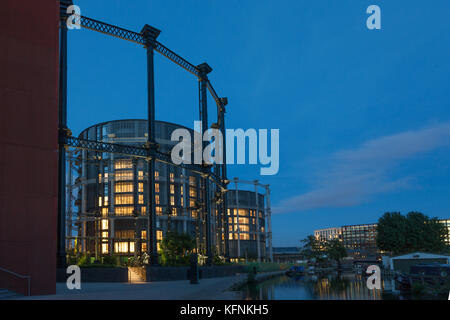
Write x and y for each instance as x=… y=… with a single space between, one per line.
x=21 y=277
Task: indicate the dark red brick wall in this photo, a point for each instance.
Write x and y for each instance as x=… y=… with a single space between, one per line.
x=28 y=142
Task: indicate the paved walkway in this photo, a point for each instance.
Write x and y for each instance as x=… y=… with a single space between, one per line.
x=207 y=289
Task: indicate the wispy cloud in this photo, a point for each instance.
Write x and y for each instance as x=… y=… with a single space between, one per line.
x=355 y=175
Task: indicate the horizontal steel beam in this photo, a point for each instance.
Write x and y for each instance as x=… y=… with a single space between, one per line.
x=140 y=152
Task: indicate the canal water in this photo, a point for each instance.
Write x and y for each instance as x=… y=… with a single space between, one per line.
x=328 y=287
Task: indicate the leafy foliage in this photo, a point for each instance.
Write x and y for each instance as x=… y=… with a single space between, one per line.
x=335 y=250
x=311 y=247
x=414 y=232
x=176 y=247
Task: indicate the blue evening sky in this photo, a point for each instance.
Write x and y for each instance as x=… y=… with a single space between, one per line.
x=364 y=115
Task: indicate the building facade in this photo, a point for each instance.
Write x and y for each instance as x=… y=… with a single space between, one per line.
x=108 y=213
x=328 y=234
x=110 y=193
x=446 y=222
x=247 y=224
x=361 y=241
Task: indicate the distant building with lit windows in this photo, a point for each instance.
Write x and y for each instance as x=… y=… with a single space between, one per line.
x=446 y=222
x=359 y=240
x=328 y=234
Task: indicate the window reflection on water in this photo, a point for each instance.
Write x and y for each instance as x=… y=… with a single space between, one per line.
x=330 y=287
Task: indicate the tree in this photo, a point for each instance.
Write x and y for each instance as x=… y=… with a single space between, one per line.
x=391 y=232
x=414 y=232
x=176 y=247
x=312 y=248
x=335 y=250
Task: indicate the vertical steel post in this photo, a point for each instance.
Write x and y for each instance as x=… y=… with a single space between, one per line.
x=269 y=223
x=223 y=103
x=150 y=34
x=204 y=69
x=62 y=128
x=258 y=244
x=236 y=181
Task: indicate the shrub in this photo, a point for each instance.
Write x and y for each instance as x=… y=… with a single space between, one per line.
x=110 y=260
x=84 y=260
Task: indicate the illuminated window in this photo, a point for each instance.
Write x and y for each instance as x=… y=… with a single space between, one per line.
x=124 y=199
x=124 y=234
x=230 y=220
x=143 y=210
x=121 y=247
x=159 y=235
x=105 y=201
x=144 y=234
x=124 y=211
x=244 y=236
x=172 y=177
x=141 y=199
x=99 y=178
x=230 y=236
x=243 y=220
x=99 y=201
x=158 y=211
x=156 y=175
x=192 y=203
x=194 y=214
x=172 y=200
x=192 y=181
x=141 y=175
x=124 y=175
x=105 y=248
x=104 y=211
x=123 y=164
x=182 y=201
x=105 y=224
x=121 y=187
x=105 y=234
x=181 y=190
x=244 y=228
x=157 y=187
x=172 y=189
x=131 y=246
x=140 y=187
x=157 y=199
x=174 y=211
x=193 y=192
x=243 y=212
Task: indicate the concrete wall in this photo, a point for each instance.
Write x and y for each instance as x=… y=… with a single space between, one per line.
x=150 y=273
x=97 y=275
x=28 y=143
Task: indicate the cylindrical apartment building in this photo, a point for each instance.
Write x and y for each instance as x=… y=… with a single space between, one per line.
x=247 y=224
x=112 y=199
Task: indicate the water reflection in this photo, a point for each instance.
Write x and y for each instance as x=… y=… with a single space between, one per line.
x=329 y=287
